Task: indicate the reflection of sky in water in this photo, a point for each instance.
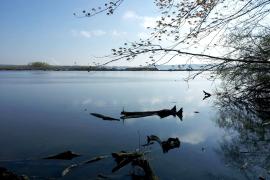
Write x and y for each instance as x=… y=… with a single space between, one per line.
x=47 y=112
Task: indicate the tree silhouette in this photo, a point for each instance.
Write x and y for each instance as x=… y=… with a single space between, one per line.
x=194 y=29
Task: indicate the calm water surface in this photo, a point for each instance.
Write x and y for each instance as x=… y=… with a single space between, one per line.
x=44 y=113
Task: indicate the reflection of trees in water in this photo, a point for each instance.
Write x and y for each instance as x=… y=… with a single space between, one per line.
x=244 y=111
x=248 y=149
x=252 y=97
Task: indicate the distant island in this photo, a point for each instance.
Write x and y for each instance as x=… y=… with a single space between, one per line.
x=47 y=67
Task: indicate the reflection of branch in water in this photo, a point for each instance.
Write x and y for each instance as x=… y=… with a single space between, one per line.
x=106 y=118
x=161 y=113
x=247 y=114
x=171 y=143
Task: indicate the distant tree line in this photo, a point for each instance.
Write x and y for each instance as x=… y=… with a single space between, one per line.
x=38 y=65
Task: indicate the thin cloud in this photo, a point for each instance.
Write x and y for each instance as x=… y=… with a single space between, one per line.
x=88 y=34
x=130 y=15
x=116 y=33
x=145 y=21
x=97 y=33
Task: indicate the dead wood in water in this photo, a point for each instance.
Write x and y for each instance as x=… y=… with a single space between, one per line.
x=167 y=145
x=92 y=160
x=206 y=95
x=67 y=155
x=106 y=118
x=161 y=113
x=148 y=171
x=123 y=158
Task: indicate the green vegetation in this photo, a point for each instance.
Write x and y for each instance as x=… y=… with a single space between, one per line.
x=39 y=65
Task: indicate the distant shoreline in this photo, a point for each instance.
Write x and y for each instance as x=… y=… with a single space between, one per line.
x=85 y=68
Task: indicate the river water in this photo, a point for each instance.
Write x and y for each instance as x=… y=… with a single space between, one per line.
x=44 y=113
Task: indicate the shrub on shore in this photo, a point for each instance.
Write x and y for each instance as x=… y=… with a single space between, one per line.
x=39 y=65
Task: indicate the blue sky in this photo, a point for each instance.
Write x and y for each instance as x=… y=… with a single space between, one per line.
x=46 y=30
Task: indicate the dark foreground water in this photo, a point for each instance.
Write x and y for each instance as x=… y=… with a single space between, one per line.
x=45 y=113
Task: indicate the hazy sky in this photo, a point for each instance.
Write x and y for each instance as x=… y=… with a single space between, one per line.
x=46 y=30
